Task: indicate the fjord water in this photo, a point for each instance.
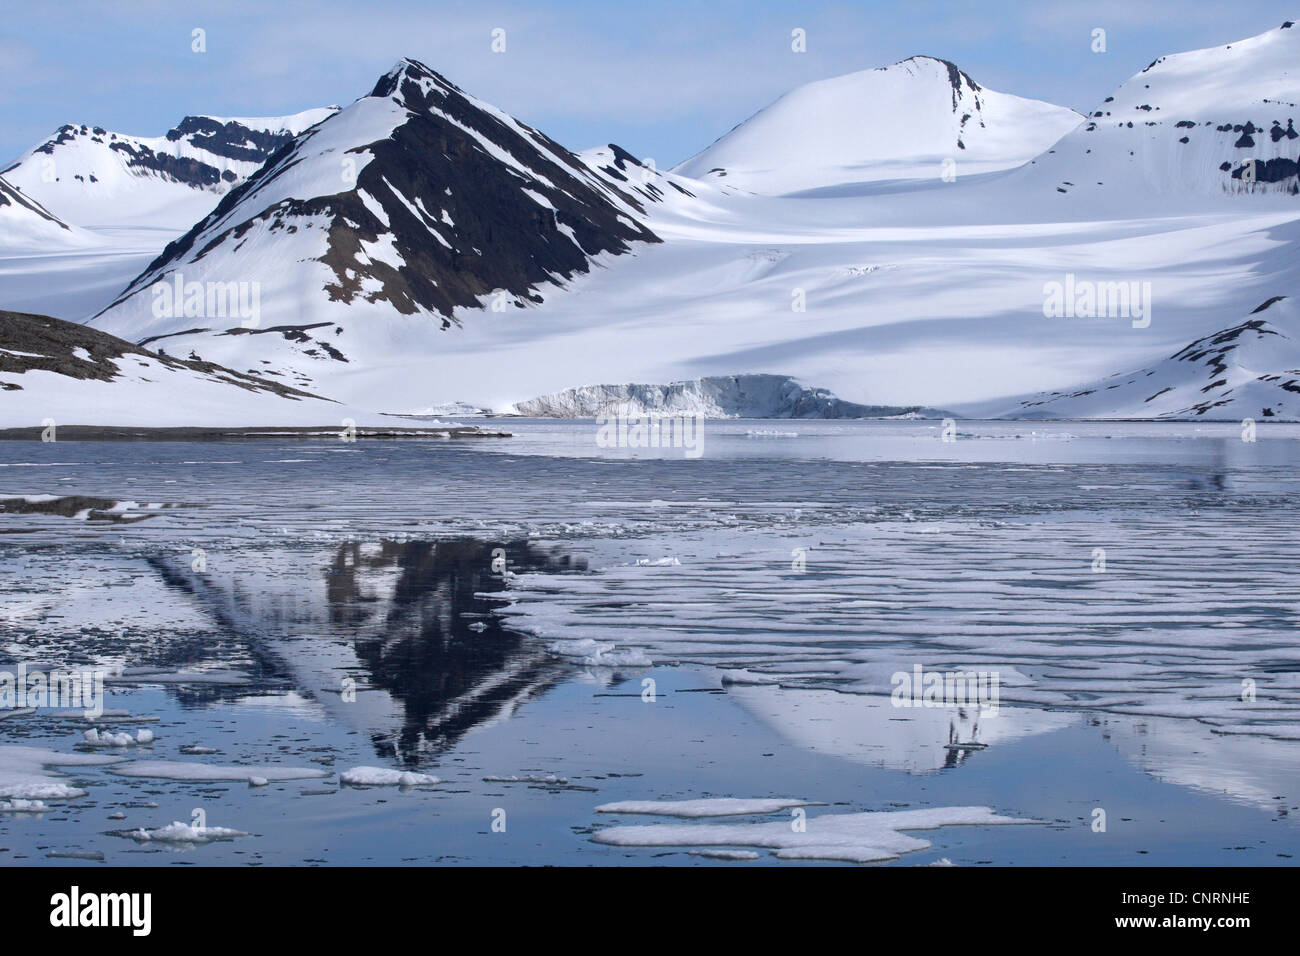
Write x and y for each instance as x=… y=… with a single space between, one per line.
x=494 y=609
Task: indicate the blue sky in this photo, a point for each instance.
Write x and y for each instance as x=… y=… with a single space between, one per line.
x=663 y=78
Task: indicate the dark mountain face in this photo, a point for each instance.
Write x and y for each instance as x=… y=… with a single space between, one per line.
x=40 y=343
x=470 y=201
x=229 y=139
x=181 y=169
x=503 y=237
x=958 y=78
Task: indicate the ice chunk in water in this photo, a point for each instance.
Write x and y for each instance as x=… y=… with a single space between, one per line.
x=385 y=777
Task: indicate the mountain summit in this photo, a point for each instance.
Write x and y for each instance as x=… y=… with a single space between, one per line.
x=896 y=122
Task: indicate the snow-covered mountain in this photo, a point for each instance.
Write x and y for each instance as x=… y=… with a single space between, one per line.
x=25 y=223
x=1251 y=370
x=896 y=122
x=369 y=231
x=93 y=177
x=421 y=250
x=1213 y=121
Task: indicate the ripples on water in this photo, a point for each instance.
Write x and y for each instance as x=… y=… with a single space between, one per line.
x=454 y=582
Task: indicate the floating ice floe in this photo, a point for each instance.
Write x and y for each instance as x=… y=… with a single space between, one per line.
x=657 y=562
x=183 y=770
x=96 y=855
x=23 y=806
x=24 y=773
x=709 y=807
x=385 y=777
x=847 y=837
x=725 y=854
x=178 y=832
x=599 y=653
x=94 y=738
x=742 y=676
x=528 y=778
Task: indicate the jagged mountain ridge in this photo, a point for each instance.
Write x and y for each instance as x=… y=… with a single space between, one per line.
x=90 y=175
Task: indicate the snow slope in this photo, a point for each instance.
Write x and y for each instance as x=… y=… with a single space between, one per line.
x=72 y=273
x=69 y=374
x=24 y=222
x=896 y=122
x=1214 y=121
x=93 y=177
x=1251 y=370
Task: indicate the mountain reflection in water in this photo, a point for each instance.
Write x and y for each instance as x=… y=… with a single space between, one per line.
x=396 y=638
